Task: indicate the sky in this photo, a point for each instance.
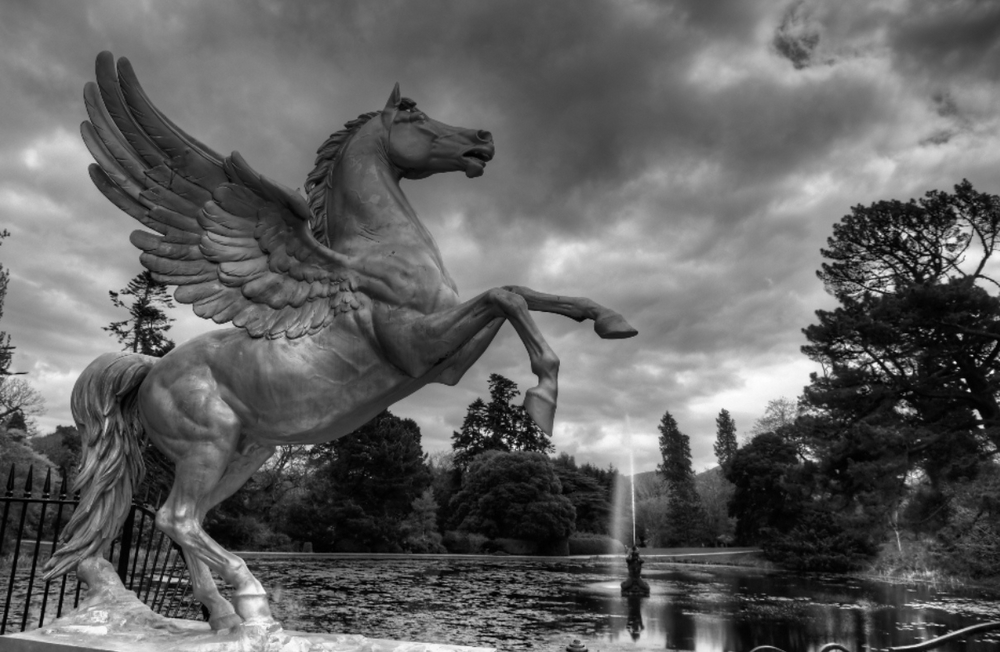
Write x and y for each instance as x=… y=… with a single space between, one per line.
x=682 y=162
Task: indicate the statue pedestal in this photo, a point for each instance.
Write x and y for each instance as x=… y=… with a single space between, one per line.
x=189 y=635
x=113 y=619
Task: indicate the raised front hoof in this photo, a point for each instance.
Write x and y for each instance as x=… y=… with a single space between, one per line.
x=224 y=622
x=541 y=409
x=613 y=326
x=253 y=608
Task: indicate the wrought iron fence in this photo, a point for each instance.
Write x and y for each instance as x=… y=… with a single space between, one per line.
x=148 y=562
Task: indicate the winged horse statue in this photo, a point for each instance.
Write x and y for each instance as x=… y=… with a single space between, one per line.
x=340 y=304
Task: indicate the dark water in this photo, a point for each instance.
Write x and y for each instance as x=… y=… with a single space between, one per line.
x=539 y=605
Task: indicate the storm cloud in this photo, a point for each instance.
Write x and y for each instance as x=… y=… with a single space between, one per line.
x=680 y=161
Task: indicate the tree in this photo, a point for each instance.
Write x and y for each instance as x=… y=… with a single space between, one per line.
x=914 y=347
x=683 y=503
x=725 y=438
x=515 y=495
x=763 y=503
x=362 y=488
x=591 y=499
x=779 y=413
x=144 y=330
x=6 y=350
x=256 y=516
x=19 y=401
x=61 y=446
x=420 y=531
x=499 y=426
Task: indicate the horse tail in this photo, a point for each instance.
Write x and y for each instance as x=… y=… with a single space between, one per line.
x=105 y=408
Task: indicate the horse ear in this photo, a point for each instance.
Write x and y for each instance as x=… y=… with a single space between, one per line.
x=391 y=107
x=394 y=98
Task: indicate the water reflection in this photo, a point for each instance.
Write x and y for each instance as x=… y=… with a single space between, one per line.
x=527 y=605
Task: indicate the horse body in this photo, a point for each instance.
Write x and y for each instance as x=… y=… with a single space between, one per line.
x=342 y=307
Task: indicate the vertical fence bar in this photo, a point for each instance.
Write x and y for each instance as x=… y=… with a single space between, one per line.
x=46 y=488
x=8 y=494
x=55 y=541
x=138 y=547
x=135 y=539
x=152 y=577
x=17 y=550
x=171 y=587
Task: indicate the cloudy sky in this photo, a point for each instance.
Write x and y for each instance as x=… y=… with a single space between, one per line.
x=680 y=161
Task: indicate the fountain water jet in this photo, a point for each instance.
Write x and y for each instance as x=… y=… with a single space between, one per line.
x=634 y=585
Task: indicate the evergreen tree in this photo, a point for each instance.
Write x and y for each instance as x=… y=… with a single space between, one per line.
x=363 y=487
x=683 y=502
x=6 y=350
x=144 y=330
x=725 y=438
x=499 y=426
x=515 y=495
x=420 y=529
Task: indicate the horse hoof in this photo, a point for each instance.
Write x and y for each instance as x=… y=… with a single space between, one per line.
x=228 y=621
x=541 y=409
x=613 y=326
x=252 y=607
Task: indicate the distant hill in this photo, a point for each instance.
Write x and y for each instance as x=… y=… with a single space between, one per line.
x=647 y=485
x=650 y=483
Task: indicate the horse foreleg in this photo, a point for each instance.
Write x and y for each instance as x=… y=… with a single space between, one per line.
x=423 y=345
x=608 y=324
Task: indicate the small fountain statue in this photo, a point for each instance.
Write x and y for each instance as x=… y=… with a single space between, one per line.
x=634 y=585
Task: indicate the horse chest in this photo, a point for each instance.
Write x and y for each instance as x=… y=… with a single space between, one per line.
x=407 y=276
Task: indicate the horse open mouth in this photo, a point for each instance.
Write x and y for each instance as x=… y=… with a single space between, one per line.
x=476 y=160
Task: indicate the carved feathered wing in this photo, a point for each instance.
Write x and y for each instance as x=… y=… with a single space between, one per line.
x=238 y=245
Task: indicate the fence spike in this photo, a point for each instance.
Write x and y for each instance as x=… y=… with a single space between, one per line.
x=10 y=482
x=47 y=487
x=30 y=480
x=62 y=487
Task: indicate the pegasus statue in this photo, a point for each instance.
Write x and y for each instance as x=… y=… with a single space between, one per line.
x=339 y=301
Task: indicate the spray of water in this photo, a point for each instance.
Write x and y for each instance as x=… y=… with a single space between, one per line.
x=631 y=468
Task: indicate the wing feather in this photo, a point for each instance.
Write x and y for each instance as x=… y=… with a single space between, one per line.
x=114 y=105
x=109 y=163
x=172 y=141
x=237 y=244
x=119 y=197
x=109 y=135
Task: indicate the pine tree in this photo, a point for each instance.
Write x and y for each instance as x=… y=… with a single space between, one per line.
x=498 y=425
x=725 y=438
x=6 y=350
x=675 y=448
x=683 y=502
x=143 y=332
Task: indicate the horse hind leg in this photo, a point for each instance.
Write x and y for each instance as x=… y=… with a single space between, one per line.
x=199 y=485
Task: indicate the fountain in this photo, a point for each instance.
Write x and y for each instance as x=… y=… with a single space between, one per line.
x=634 y=585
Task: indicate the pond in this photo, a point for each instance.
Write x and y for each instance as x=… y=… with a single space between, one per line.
x=521 y=604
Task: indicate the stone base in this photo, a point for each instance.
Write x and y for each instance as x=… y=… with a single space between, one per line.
x=113 y=619
x=635 y=586
x=189 y=635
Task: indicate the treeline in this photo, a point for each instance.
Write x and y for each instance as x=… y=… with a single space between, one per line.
x=375 y=490
x=888 y=460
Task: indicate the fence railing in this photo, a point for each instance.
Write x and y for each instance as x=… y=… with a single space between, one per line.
x=147 y=561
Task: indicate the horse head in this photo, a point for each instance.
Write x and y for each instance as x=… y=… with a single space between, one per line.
x=419 y=146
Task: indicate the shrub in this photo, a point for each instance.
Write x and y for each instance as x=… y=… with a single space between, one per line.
x=588 y=543
x=823 y=541
x=464 y=543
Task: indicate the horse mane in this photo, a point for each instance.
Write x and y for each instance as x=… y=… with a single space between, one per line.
x=318 y=181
